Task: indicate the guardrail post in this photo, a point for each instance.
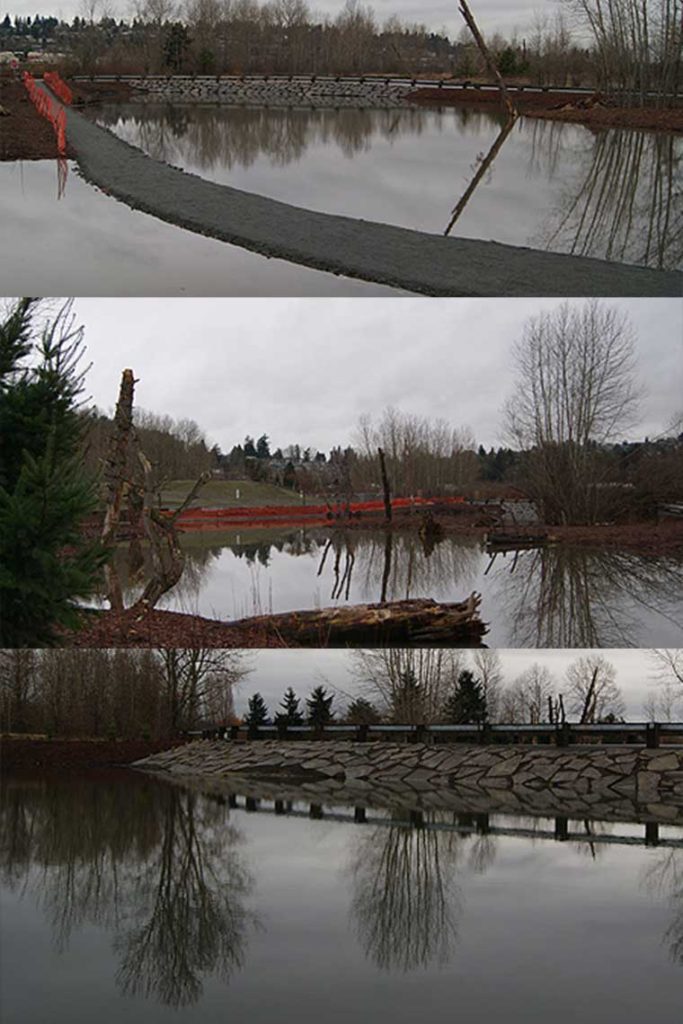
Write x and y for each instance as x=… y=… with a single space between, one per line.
x=417 y=819
x=282 y=730
x=652 y=735
x=279 y=807
x=359 y=815
x=252 y=732
x=420 y=733
x=485 y=734
x=562 y=735
x=361 y=734
x=315 y=811
x=234 y=732
x=232 y=800
x=482 y=821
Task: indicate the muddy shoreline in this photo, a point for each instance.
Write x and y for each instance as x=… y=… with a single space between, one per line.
x=34 y=755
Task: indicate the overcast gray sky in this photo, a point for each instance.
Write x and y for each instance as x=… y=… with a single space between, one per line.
x=493 y=15
x=273 y=671
x=304 y=370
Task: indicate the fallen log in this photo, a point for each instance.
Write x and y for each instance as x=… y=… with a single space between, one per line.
x=416 y=621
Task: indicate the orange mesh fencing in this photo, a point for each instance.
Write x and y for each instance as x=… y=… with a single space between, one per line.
x=58 y=86
x=48 y=109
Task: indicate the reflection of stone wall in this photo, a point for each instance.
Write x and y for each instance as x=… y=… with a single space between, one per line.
x=281 y=93
x=584 y=776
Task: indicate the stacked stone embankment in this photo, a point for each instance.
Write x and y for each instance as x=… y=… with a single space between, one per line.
x=577 y=780
x=260 y=92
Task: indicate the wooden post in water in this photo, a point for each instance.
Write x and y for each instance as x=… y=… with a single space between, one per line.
x=232 y=800
x=279 y=807
x=315 y=811
x=359 y=815
x=250 y=803
x=561 y=828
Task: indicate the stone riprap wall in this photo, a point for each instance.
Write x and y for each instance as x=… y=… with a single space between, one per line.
x=321 y=93
x=582 y=776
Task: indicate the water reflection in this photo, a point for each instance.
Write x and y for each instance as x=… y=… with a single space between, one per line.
x=560 y=597
x=556 y=596
x=160 y=869
x=611 y=193
x=155 y=865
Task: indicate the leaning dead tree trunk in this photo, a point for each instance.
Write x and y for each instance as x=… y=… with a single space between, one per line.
x=385 y=485
x=419 y=621
x=488 y=58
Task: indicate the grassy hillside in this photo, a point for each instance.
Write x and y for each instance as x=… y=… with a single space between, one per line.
x=223 y=494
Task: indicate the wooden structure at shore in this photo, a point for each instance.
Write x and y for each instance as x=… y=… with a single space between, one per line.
x=647 y=734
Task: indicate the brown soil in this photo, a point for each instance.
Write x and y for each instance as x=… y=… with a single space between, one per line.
x=24 y=134
x=85 y=93
x=35 y=755
x=165 y=629
x=594 y=112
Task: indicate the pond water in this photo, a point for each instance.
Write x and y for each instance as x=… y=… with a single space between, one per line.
x=87 y=243
x=555 y=597
x=134 y=899
x=611 y=194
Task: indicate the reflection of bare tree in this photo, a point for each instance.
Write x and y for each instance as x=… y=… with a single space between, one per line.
x=626 y=204
x=154 y=855
x=576 y=597
x=192 y=920
x=664 y=878
x=405 y=899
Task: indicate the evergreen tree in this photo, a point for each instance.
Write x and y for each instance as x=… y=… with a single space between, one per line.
x=263 y=447
x=467 y=703
x=319 y=706
x=362 y=712
x=46 y=565
x=291 y=713
x=249 y=449
x=257 y=713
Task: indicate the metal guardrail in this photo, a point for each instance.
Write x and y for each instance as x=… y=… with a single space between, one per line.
x=648 y=734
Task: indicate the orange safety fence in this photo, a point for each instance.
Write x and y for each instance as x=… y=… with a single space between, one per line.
x=58 y=86
x=47 y=108
x=263 y=513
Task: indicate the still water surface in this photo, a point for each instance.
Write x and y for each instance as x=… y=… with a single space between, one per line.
x=131 y=899
x=613 y=194
x=556 y=596
x=87 y=243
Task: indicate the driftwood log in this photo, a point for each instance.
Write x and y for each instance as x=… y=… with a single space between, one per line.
x=418 y=621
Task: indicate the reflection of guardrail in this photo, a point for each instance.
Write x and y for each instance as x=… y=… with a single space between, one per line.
x=464 y=824
x=648 y=734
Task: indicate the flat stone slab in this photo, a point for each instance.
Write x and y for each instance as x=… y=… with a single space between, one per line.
x=399 y=257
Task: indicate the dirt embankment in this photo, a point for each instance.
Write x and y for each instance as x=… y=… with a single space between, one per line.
x=29 y=755
x=24 y=134
x=594 y=112
x=158 y=628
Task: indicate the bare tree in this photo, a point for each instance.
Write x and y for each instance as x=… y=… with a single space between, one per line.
x=527 y=699
x=592 y=689
x=575 y=391
x=410 y=685
x=198 y=683
x=488 y=669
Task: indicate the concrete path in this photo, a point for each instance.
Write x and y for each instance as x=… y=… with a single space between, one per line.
x=399 y=257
